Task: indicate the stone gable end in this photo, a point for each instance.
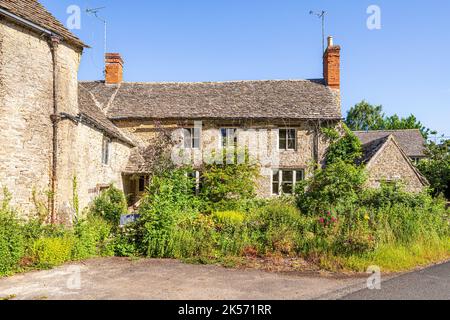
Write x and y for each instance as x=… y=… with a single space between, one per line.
x=391 y=165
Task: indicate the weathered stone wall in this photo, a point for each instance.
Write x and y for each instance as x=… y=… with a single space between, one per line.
x=91 y=173
x=260 y=137
x=26 y=103
x=391 y=165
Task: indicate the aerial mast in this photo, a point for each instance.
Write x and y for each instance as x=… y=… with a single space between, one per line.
x=321 y=15
x=95 y=12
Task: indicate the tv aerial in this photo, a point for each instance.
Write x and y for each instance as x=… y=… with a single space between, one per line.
x=95 y=13
x=321 y=15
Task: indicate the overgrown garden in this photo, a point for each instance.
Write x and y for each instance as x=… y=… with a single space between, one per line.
x=331 y=221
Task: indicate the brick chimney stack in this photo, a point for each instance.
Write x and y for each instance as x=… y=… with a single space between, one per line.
x=113 y=68
x=331 y=65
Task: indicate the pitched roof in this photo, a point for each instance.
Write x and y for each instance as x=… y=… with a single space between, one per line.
x=91 y=114
x=411 y=141
x=265 y=99
x=372 y=148
x=34 y=12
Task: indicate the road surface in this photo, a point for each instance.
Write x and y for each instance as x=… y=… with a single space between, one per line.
x=428 y=284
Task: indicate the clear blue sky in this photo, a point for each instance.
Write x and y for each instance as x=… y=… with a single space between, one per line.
x=405 y=66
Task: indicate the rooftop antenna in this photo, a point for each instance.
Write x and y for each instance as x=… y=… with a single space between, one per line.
x=95 y=11
x=321 y=15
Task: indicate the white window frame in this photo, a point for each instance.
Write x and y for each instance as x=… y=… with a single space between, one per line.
x=221 y=146
x=280 y=180
x=287 y=139
x=197 y=181
x=192 y=138
x=106 y=150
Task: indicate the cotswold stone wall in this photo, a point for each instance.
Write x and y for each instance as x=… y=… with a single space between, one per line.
x=26 y=103
x=91 y=173
x=261 y=136
x=391 y=165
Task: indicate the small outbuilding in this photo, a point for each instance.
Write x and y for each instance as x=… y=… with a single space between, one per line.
x=386 y=161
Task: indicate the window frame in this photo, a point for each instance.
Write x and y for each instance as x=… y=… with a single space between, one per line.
x=198 y=180
x=106 y=150
x=287 y=139
x=281 y=183
x=192 y=138
x=221 y=140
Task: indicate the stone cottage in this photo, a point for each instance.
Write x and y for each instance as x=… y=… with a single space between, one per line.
x=410 y=141
x=48 y=138
x=386 y=161
x=63 y=139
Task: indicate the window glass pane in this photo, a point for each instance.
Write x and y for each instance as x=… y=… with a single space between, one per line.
x=187 y=138
x=288 y=176
x=275 y=188
x=291 y=133
x=291 y=144
x=229 y=137
x=282 y=135
x=300 y=175
x=276 y=176
x=287 y=188
x=223 y=134
x=292 y=138
x=105 y=151
x=196 y=143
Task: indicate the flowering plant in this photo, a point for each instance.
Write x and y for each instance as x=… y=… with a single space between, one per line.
x=328 y=220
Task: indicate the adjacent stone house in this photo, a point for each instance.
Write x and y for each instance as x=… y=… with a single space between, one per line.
x=63 y=139
x=386 y=161
x=411 y=141
x=48 y=138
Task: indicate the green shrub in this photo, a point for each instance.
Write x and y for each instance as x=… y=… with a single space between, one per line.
x=340 y=183
x=167 y=201
x=125 y=242
x=110 y=205
x=233 y=219
x=194 y=237
x=222 y=182
x=12 y=242
x=276 y=227
x=346 y=148
x=92 y=238
x=50 y=252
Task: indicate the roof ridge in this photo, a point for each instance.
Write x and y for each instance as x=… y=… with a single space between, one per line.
x=206 y=82
x=389 y=130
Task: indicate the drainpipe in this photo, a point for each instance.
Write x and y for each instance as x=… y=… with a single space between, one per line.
x=55 y=118
x=316 y=144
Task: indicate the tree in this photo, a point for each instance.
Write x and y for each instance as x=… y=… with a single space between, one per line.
x=364 y=116
x=437 y=167
x=347 y=148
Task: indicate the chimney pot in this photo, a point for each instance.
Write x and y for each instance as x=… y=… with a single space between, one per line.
x=113 y=68
x=330 y=41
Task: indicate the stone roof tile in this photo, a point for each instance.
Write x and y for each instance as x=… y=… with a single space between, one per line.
x=264 y=99
x=33 y=11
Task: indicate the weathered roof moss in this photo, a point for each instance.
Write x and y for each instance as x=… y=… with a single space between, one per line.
x=265 y=99
x=411 y=141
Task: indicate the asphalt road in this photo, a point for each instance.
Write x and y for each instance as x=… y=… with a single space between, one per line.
x=147 y=279
x=121 y=278
x=428 y=284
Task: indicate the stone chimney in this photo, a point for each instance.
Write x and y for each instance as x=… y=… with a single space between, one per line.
x=331 y=65
x=113 y=68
